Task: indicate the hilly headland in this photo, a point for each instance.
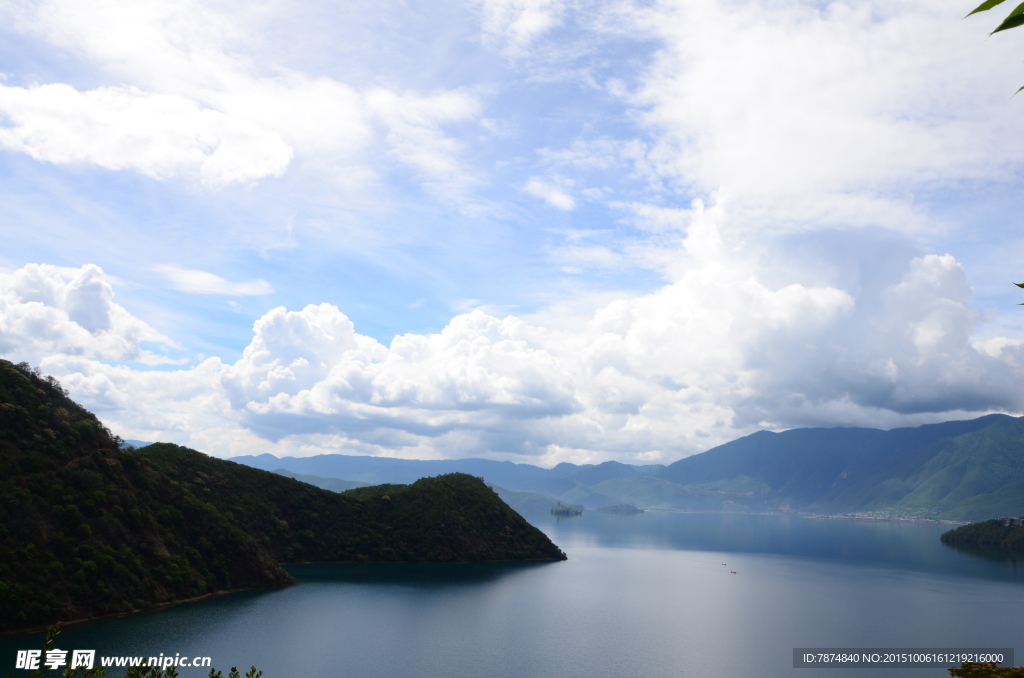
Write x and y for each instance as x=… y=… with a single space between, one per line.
x=89 y=529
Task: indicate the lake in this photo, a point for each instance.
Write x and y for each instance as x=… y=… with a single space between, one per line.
x=649 y=595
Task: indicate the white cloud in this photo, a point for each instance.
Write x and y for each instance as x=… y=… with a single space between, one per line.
x=204 y=282
x=993 y=346
x=550 y=194
x=820 y=115
x=715 y=354
x=808 y=115
x=516 y=23
x=201 y=99
x=158 y=135
x=415 y=133
x=48 y=310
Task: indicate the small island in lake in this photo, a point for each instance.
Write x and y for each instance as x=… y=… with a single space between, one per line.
x=620 y=508
x=566 y=511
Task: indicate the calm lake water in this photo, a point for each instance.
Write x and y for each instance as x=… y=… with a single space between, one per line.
x=649 y=595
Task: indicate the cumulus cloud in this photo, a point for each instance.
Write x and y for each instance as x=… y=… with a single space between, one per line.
x=48 y=310
x=719 y=352
x=204 y=282
x=783 y=111
x=477 y=373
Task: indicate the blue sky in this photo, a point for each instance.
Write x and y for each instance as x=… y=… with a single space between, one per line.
x=618 y=230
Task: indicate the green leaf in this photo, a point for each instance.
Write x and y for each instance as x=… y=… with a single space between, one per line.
x=1020 y=285
x=985 y=6
x=1014 y=19
x=1010 y=22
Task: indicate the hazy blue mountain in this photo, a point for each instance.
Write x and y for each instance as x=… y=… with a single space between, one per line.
x=805 y=464
x=520 y=500
x=960 y=469
x=331 y=484
x=525 y=502
x=376 y=470
x=638 y=490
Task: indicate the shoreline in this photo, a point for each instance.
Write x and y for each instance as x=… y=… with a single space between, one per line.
x=118 y=615
x=216 y=594
x=822 y=516
x=895 y=519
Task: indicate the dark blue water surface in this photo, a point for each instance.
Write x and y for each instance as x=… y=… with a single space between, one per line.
x=644 y=595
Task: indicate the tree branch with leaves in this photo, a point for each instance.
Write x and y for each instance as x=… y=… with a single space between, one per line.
x=1012 y=20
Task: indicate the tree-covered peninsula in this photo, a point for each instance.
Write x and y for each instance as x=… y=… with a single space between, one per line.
x=998 y=533
x=88 y=529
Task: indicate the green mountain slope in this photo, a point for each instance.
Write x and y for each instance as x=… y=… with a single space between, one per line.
x=88 y=529
x=520 y=501
x=448 y=519
x=964 y=470
x=973 y=476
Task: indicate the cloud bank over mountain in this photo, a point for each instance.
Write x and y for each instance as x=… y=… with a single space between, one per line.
x=526 y=229
x=697 y=362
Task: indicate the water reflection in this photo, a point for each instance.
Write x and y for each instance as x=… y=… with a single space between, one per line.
x=1006 y=557
x=873 y=543
x=411 y=574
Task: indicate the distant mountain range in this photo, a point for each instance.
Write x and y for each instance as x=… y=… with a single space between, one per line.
x=332 y=484
x=965 y=470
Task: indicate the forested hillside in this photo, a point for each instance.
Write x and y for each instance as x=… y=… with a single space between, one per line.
x=89 y=529
x=86 y=529
x=447 y=519
x=968 y=470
